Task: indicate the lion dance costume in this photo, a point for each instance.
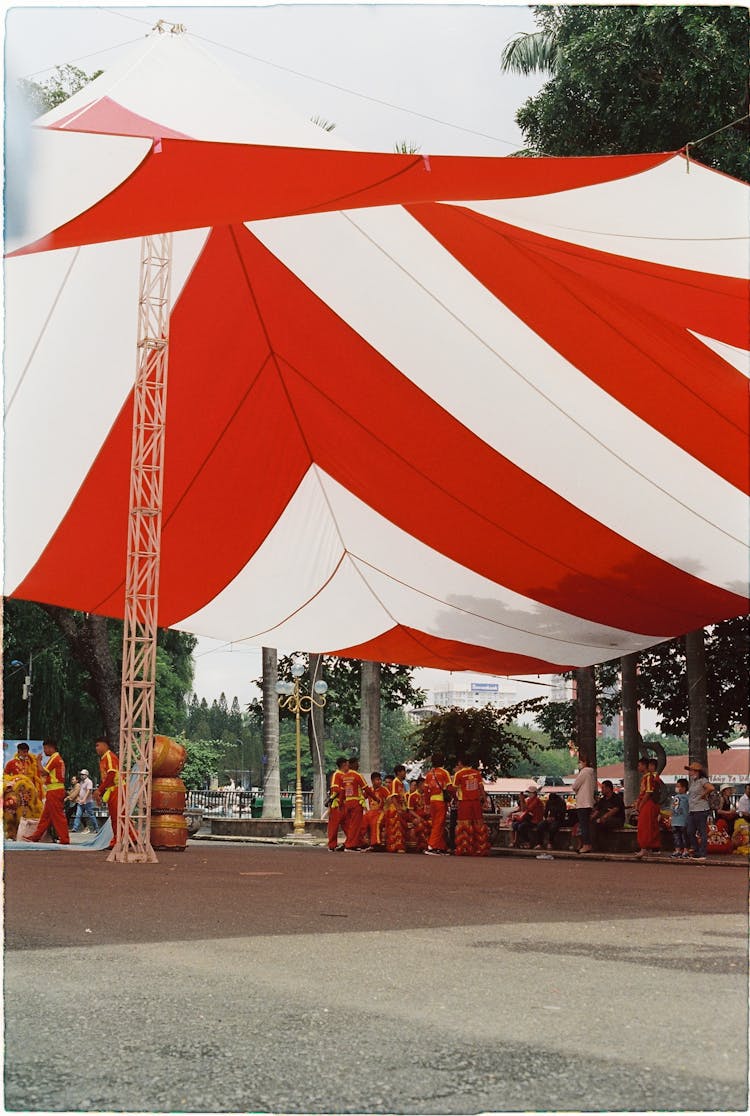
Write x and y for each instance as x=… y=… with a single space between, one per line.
x=472 y=834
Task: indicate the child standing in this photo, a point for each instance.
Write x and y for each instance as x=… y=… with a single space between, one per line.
x=680 y=811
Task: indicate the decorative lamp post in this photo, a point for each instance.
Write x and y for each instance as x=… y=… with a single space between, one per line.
x=26 y=691
x=291 y=698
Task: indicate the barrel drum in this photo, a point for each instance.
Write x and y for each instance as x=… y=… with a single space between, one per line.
x=168 y=796
x=169 y=831
x=168 y=757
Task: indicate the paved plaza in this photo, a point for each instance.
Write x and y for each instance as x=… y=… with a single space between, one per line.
x=233 y=978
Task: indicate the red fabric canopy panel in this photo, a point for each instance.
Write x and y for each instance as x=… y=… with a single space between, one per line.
x=484 y=414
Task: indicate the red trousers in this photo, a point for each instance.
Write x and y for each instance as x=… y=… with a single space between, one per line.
x=334 y=822
x=394 y=829
x=472 y=835
x=648 y=826
x=438 y=812
x=112 y=803
x=351 y=823
x=372 y=820
x=53 y=814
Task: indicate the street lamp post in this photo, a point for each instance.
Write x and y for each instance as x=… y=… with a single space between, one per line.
x=292 y=698
x=26 y=691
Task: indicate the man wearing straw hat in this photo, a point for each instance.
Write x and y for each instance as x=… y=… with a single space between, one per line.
x=699 y=789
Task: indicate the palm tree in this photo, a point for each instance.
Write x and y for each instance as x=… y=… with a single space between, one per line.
x=271 y=782
x=631 y=736
x=695 y=657
x=315 y=730
x=586 y=713
x=369 y=746
x=530 y=52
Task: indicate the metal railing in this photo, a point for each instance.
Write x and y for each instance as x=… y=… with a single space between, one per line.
x=239 y=803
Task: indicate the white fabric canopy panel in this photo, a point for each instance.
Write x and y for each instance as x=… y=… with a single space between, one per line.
x=484 y=414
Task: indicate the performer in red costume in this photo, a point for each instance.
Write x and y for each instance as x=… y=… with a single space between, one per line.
x=336 y=802
x=373 y=817
x=354 y=785
x=53 y=773
x=648 y=835
x=472 y=834
x=108 y=790
x=437 y=785
x=417 y=817
x=395 y=813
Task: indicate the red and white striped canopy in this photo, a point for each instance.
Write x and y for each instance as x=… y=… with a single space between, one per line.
x=472 y=413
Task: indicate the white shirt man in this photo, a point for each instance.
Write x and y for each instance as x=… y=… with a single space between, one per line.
x=584 y=786
x=85 y=806
x=743 y=806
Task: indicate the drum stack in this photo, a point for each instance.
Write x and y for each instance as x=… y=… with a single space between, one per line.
x=168 y=796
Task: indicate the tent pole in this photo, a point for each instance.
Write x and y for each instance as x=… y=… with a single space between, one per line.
x=144 y=547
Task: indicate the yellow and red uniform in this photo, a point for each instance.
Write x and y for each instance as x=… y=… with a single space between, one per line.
x=373 y=818
x=472 y=834
x=417 y=826
x=395 y=816
x=109 y=788
x=353 y=787
x=28 y=766
x=22 y=764
x=648 y=835
x=436 y=781
x=53 y=812
x=336 y=809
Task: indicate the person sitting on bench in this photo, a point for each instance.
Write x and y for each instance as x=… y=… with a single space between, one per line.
x=527 y=819
x=554 y=817
x=608 y=812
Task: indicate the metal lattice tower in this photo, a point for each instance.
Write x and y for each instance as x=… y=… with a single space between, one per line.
x=144 y=547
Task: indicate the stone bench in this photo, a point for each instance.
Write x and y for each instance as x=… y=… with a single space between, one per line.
x=617 y=841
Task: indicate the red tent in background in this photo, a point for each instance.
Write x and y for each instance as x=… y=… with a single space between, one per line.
x=472 y=413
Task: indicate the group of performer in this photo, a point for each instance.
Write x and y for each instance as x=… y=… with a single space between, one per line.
x=34 y=787
x=389 y=816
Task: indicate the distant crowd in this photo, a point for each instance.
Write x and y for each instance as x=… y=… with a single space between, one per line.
x=443 y=811
x=387 y=815
x=437 y=813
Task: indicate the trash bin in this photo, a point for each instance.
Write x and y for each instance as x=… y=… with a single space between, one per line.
x=287 y=807
x=256 y=808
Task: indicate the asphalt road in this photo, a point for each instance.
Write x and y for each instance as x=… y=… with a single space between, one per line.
x=285 y=980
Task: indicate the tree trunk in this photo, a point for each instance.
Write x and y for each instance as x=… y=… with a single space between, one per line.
x=586 y=713
x=88 y=639
x=369 y=746
x=631 y=735
x=315 y=735
x=695 y=654
x=271 y=780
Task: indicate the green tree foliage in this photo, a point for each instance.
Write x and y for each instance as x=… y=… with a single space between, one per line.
x=543 y=757
x=204 y=759
x=558 y=718
x=288 y=757
x=343 y=676
x=64 y=82
x=66 y=699
x=662 y=681
x=637 y=79
x=488 y=737
x=241 y=755
x=341 y=713
x=61 y=706
x=530 y=52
